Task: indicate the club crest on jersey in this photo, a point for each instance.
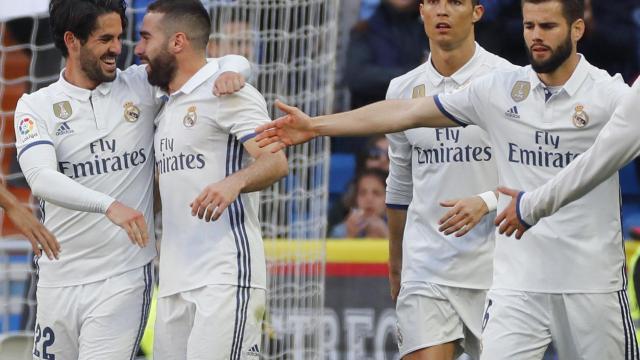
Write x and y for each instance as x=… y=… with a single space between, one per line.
x=131 y=112
x=580 y=118
x=190 y=119
x=520 y=91
x=62 y=110
x=418 y=92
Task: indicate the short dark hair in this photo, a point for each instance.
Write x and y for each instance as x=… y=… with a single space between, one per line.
x=473 y=2
x=572 y=10
x=188 y=16
x=81 y=18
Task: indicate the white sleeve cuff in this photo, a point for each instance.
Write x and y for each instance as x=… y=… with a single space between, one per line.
x=490 y=200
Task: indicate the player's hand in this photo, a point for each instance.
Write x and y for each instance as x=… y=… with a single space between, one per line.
x=228 y=83
x=36 y=233
x=376 y=228
x=394 y=281
x=507 y=220
x=214 y=199
x=355 y=223
x=131 y=220
x=292 y=129
x=463 y=216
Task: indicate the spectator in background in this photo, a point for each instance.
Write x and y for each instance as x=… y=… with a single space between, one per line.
x=616 y=28
x=367 y=216
x=373 y=155
x=388 y=44
x=234 y=37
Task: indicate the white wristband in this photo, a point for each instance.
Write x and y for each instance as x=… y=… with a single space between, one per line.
x=490 y=199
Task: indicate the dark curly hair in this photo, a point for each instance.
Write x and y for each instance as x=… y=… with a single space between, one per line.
x=80 y=17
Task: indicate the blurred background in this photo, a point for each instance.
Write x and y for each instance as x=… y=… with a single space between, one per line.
x=328 y=279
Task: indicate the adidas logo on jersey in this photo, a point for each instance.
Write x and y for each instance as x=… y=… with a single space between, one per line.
x=64 y=129
x=512 y=113
x=254 y=351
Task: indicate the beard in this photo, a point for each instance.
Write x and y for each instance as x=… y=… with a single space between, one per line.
x=558 y=56
x=90 y=65
x=161 y=69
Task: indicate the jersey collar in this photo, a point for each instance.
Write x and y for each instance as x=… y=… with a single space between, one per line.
x=572 y=85
x=196 y=80
x=460 y=77
x=81 y=93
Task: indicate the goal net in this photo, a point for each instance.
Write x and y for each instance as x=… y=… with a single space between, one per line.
x=292 y=46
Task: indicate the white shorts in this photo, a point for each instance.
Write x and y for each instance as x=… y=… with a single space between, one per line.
x=103 y=320
x=431 y=314
x=211 y=322
x=520 y=325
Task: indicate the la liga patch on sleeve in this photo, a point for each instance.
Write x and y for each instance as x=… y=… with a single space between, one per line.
x=27 y=130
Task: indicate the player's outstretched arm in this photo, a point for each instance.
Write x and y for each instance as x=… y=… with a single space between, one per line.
x=616 y=145
x=383 y=117
x=131 y=220
x=39 y=237
x=464 y=214
x=508 y=221
x=267 y=168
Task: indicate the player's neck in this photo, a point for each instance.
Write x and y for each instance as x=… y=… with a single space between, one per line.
x=563 y=73
x=448 y=61
x=187 y=67
x=74 y=75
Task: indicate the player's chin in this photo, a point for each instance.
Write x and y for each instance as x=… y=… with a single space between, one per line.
x=109 y=75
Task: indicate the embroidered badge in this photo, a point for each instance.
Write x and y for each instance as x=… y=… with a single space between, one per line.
x=131 y=112
x=190 y=119
x=580 y=118
x=520 y=91
x=418 y=91
x=62 y=110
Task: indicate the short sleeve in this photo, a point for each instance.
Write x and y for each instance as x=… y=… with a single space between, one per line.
x=242 y=112
x=463 y=105
x=30 y=129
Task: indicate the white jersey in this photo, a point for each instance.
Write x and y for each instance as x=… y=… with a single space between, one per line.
x=616 y=145
x=430 y=165
x=103 y=140
x=198 y=141
x=535 y=135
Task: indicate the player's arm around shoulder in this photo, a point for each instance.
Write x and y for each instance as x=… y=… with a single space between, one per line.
x=267 y=168
x=239 y=114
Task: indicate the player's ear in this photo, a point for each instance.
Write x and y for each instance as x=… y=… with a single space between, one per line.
x=577 y=30
x=478 y=11
x=178 y=42
x=71 y=41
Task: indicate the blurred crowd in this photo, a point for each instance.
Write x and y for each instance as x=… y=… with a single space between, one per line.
x=386 y=39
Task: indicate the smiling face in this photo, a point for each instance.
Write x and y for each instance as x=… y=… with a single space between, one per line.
x=449 y=23
x=153 y=50
x=370 y=196
x=550 y=39
x=97 y=56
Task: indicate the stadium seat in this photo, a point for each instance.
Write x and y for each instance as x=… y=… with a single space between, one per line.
x=16 y=346
x=341 y=172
